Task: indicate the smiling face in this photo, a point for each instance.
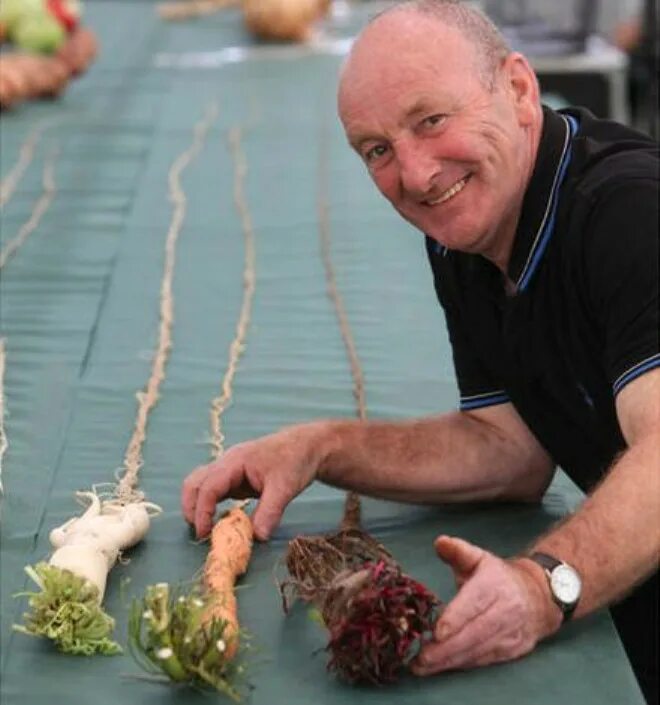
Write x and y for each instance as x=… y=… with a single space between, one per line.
x=451 y=153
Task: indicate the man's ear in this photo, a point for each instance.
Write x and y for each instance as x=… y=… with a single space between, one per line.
x=523 y=86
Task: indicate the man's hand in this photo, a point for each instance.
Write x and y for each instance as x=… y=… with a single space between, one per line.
x=502 y=609
x=275 y=468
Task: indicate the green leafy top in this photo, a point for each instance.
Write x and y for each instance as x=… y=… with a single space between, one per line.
x=66 y=610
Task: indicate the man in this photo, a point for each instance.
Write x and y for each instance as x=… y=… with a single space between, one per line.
x=541 y=230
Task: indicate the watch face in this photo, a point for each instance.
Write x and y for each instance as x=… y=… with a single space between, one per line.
x=565 y=584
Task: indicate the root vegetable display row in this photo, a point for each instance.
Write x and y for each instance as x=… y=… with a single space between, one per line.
x=376 y=616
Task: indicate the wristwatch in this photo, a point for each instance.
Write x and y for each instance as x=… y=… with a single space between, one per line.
x=564 y=581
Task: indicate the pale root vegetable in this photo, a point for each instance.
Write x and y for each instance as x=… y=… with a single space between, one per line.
x=186 y=9
x=195 y=637
x=283 y=20
x=67 y=608
x=89 y=545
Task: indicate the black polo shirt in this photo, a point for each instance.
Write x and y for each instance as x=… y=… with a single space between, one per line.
x=583 y=322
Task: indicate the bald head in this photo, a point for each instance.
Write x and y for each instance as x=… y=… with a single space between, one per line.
x=417 y=35
x=482 y=38
x=487 y=41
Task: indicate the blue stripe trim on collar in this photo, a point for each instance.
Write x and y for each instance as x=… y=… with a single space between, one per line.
x=539 y=247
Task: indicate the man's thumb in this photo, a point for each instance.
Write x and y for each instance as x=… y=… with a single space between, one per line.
x=462 y=556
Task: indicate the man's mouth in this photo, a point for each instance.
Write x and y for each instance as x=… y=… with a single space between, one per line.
x=449 y=193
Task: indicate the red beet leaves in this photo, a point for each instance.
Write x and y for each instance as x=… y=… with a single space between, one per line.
x=377 y=617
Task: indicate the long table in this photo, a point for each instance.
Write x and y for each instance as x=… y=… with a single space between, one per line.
x=79 y=314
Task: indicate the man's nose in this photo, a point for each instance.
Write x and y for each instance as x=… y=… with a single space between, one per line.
x=418 y=169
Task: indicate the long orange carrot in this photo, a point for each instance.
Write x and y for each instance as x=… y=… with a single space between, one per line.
x=194 y=637
x=231 y=548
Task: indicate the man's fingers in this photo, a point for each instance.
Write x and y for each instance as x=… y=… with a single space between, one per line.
x=203 y=520
x=214 y=486
x=462 y=556
x=489 y=619
x=494 y=649
x=475 y=596
x=245 y=471
x=448 y=651
x=470 y=603
x=269 y=511
x=189 y=492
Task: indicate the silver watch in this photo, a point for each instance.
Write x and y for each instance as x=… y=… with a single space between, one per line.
x=564 y=581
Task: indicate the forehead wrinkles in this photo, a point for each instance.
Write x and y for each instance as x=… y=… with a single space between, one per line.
x=413 y=54
x=377 y=101
x=371 y=88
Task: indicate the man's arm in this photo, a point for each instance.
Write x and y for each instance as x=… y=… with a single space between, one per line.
x=484 y=454
x=619 y=524
x=504 y=607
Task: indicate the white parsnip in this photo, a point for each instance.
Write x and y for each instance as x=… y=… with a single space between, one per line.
x=67 y=607
x=89 y=545
x=72 y=583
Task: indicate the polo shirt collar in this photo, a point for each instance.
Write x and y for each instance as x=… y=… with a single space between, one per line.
x=539 y=207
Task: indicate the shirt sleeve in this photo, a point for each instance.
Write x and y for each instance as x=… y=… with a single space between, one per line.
x=478 y=387
x=621 y=267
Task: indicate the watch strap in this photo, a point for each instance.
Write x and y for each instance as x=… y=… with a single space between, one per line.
x=549 y=563
x=545 y=560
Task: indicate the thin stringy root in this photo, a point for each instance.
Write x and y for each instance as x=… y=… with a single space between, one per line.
x=187 y=9
x=169 y=634
x=66 y=611
x=378 y=617
x=4 y=444
x=314 y=562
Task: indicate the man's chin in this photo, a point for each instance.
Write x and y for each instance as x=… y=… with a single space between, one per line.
x=462 y=242
x=451 y=237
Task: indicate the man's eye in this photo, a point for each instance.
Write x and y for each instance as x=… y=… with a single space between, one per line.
x=434 y=120
x=375 y=152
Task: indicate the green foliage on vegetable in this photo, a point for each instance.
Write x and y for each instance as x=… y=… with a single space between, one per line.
x=66 y=610
x=170 y=634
